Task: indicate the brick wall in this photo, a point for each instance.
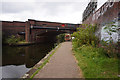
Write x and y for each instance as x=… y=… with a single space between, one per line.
x=12 y=28
x=50 y=24
x=106 y=14
x=36 y=32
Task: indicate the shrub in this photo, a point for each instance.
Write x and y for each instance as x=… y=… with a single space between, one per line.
x=13 y=40
x=85 y=36
x=60 y=38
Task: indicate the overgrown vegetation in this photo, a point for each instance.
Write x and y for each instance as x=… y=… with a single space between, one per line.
x=93 y=60
x=109 y=45
x=13 y=40
x=95 y=64
x=85 y=36
x=60 y=38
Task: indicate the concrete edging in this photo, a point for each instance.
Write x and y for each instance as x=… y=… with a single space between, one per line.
x=35 y=68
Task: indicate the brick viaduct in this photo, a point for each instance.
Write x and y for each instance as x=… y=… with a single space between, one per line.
x=37 y=31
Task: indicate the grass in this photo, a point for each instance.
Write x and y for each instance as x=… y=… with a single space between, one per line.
x=95 y=63
x=44 y=63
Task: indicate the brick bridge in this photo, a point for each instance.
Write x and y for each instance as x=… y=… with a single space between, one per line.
x=37 y=31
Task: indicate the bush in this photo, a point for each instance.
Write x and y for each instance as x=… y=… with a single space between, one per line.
x=112 y=49
x=13 y=40
x=85 y=36
x=60 y=38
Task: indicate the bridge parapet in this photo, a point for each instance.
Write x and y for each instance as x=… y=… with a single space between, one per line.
x=39 y=27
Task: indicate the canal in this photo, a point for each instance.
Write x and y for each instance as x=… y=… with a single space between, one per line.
x=16 y=61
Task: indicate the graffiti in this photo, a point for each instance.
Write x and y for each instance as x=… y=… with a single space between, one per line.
x=102 y=10
x=114 y=34
x=98 y=14
x=89 y=9
x=109 y=12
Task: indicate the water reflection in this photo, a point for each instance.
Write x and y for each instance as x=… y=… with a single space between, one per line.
x=26 y=56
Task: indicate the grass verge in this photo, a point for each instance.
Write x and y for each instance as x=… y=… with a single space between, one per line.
x=95 y=64
x=47 y=60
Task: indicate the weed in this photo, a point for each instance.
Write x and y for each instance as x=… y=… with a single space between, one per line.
x=95 y=64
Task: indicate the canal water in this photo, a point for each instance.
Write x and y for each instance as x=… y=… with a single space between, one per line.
x=16 y=61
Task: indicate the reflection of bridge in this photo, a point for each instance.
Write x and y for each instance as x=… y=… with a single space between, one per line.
x=28 y=56
x=38 y=31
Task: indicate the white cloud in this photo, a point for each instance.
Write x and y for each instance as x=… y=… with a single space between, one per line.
x=44 y=0
x=18 y=0
x=100 y=3
x=44 y=10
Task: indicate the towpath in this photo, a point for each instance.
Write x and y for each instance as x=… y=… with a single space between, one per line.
x=61 y=65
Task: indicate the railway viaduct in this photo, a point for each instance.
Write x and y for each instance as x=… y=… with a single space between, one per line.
x=37 y=31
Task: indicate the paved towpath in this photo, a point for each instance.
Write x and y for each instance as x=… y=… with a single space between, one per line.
x=61 y=65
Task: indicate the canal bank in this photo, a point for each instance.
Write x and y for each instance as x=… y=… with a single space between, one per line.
x=61 y=65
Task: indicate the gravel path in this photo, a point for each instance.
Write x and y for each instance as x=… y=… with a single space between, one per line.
x=61 y=65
